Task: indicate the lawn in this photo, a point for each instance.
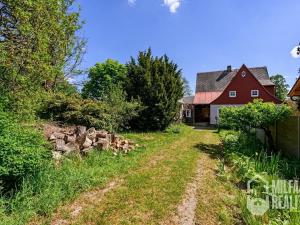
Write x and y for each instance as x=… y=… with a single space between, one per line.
x=151 y=188
x=144 y=187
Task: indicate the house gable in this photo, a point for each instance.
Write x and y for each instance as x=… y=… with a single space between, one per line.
x=243 y=83
x=295 y=91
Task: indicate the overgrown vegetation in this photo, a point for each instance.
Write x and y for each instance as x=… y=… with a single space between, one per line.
x=39 y=52
x=245 y=159
x=254 y=115
x=39 y=49
x=112 y=116
x=23 y=152
x=39 y=197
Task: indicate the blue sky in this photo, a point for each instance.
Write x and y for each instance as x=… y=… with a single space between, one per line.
x=199 y=35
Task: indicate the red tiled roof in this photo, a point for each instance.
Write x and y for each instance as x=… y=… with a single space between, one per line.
x=206 y=97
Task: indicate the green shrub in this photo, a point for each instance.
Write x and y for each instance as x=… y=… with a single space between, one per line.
x=256 y=114
x=23 y=151
x=91 y=113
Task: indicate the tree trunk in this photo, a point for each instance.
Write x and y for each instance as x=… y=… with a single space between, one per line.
x=271 y=146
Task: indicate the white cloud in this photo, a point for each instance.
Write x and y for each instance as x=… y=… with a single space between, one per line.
x=131 y=2
x=294 y=52
x=173 y=5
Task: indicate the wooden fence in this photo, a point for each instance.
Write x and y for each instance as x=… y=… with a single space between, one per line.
x=286 y=136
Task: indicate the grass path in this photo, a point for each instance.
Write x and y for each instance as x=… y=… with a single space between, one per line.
x=174 y=183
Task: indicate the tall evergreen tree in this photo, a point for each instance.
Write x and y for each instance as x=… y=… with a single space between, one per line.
x=157 y=83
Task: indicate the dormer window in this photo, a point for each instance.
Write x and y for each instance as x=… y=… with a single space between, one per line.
x=254 y=93
x=232 y=94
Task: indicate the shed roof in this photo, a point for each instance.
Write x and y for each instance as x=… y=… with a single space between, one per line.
x=206 y=97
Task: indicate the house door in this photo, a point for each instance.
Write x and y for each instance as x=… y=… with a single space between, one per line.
x=202 y=113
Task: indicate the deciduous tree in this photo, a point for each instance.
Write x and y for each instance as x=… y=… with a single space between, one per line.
x=38 y=42
x=281 y=87
x=104 y=79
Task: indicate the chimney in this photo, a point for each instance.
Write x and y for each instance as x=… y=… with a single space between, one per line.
x=229 y=69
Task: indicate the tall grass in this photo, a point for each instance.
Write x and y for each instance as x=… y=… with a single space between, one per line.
x=42 y=194
x=248 y=160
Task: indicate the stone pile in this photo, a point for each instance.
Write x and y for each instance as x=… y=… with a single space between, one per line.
x=81 y=140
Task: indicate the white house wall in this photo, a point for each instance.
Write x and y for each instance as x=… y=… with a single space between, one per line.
x=214 y=112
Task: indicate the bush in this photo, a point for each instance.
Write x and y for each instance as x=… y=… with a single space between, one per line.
x=23 y=151
x=256 y=114
x=73 y=109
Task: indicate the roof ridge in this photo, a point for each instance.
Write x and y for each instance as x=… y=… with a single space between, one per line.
x=218 y=71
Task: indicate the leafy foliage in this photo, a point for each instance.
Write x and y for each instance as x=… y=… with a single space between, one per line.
x=104 y=78
x=157 y=83
x=38 y=46
x=281 y=87
x=254 y=115
x=101 y=115
x=257 y=115
x=22 y=150
x=244 y=154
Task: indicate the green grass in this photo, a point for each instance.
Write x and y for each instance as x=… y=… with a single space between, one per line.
x=55 y=186
x=151 y=192
x=217 y=203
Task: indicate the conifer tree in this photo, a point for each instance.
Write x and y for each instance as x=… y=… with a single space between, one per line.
x=157 y=83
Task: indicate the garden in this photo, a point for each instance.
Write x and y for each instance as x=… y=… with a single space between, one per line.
x=245 y=159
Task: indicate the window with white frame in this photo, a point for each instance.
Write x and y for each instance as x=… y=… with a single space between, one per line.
x=188 y=113
x=232 y=94
x=254 y=93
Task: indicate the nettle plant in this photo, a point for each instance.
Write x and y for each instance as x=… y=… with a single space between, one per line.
x=255 y=115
